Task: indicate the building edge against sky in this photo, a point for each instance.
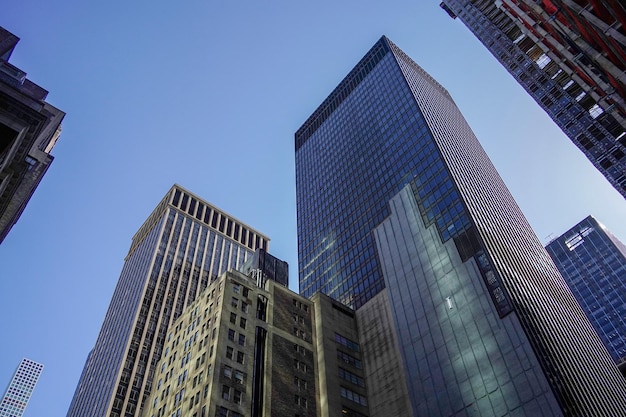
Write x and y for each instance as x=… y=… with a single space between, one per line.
x=183 y=245
x=571 y=58
x=593 y=263
x=388 y=126
x=20 y=388
x=29 y=129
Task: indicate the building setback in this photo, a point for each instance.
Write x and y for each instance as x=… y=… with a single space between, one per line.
x=244 y=350
x=183 y=245
x=570 y=56
x=29 y=129
x=20 y=388
x=399 y=205
x=593 y=263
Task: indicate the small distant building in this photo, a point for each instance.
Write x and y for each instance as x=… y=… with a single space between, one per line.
x=593 y=263
x=29 y=129
x=244 y=350
x=20 y=388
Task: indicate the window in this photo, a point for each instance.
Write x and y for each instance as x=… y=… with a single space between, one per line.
x=349 y=359
x=242 y=322
x=242 y=339
x=229 y=352
x=239 y=357
x=234 y=302
x=237 y=397
x=233 y=318
x=346 y=342
x=349 y=376
x=222 y=412
x=244 y=307
x=231 y=335
x=228 y=372
x=353 y=396
x=225 y=392
x=239 y=377
x=236 y=288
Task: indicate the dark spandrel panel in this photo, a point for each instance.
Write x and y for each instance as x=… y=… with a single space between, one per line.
x=467 y=244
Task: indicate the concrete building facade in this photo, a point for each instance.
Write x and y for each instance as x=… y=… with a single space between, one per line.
x=29 y=129
x=247 y=350
x=184 y=245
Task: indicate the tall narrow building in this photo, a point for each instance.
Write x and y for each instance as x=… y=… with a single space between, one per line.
x=183 y=245
x=570 y=56
x=593 y=263
x=20 y=388
x=29 y=129
x=399 y=205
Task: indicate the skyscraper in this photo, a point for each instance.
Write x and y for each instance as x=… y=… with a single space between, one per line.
x=29 y=129
x=20 y=388
x=183 y=245
x=570 y=56
x=593 y=263
x=397 y=199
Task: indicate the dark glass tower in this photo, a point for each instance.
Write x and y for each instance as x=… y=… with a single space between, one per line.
x=396 y=197
x=593 y=263
x=570 y=56
x=183 y=245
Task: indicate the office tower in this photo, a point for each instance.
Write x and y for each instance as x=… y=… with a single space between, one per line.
x=394 y=191
x=593 y=263
x=570 y=56
x=29 y=129
x=183 y=245
x=246 y=350
x=20 y=388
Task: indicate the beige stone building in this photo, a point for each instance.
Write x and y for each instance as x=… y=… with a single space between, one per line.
x=244 y=350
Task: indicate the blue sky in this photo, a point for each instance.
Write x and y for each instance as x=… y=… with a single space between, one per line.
x=208 y=95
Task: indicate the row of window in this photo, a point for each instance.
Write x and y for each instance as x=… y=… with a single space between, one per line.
x=344 y=341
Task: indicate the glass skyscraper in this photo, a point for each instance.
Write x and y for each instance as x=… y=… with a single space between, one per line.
x=570 y=56
x=593 y=263
x=20 y=388
x=397 y=198
x=183 y=245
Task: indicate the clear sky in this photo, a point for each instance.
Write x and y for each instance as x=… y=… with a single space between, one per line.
x=208 y=94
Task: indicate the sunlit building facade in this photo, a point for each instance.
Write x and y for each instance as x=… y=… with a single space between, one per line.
x=29 y=129
x=593 y=263
x=183 y=245
x=570 y=56
x=250 y=347
x=20 y=388
x=397 y=199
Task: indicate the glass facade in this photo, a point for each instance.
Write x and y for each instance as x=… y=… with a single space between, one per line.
x=388 y=126
x=568 y=57
x=185 y=244
x=593 y=263
x=20 y=388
